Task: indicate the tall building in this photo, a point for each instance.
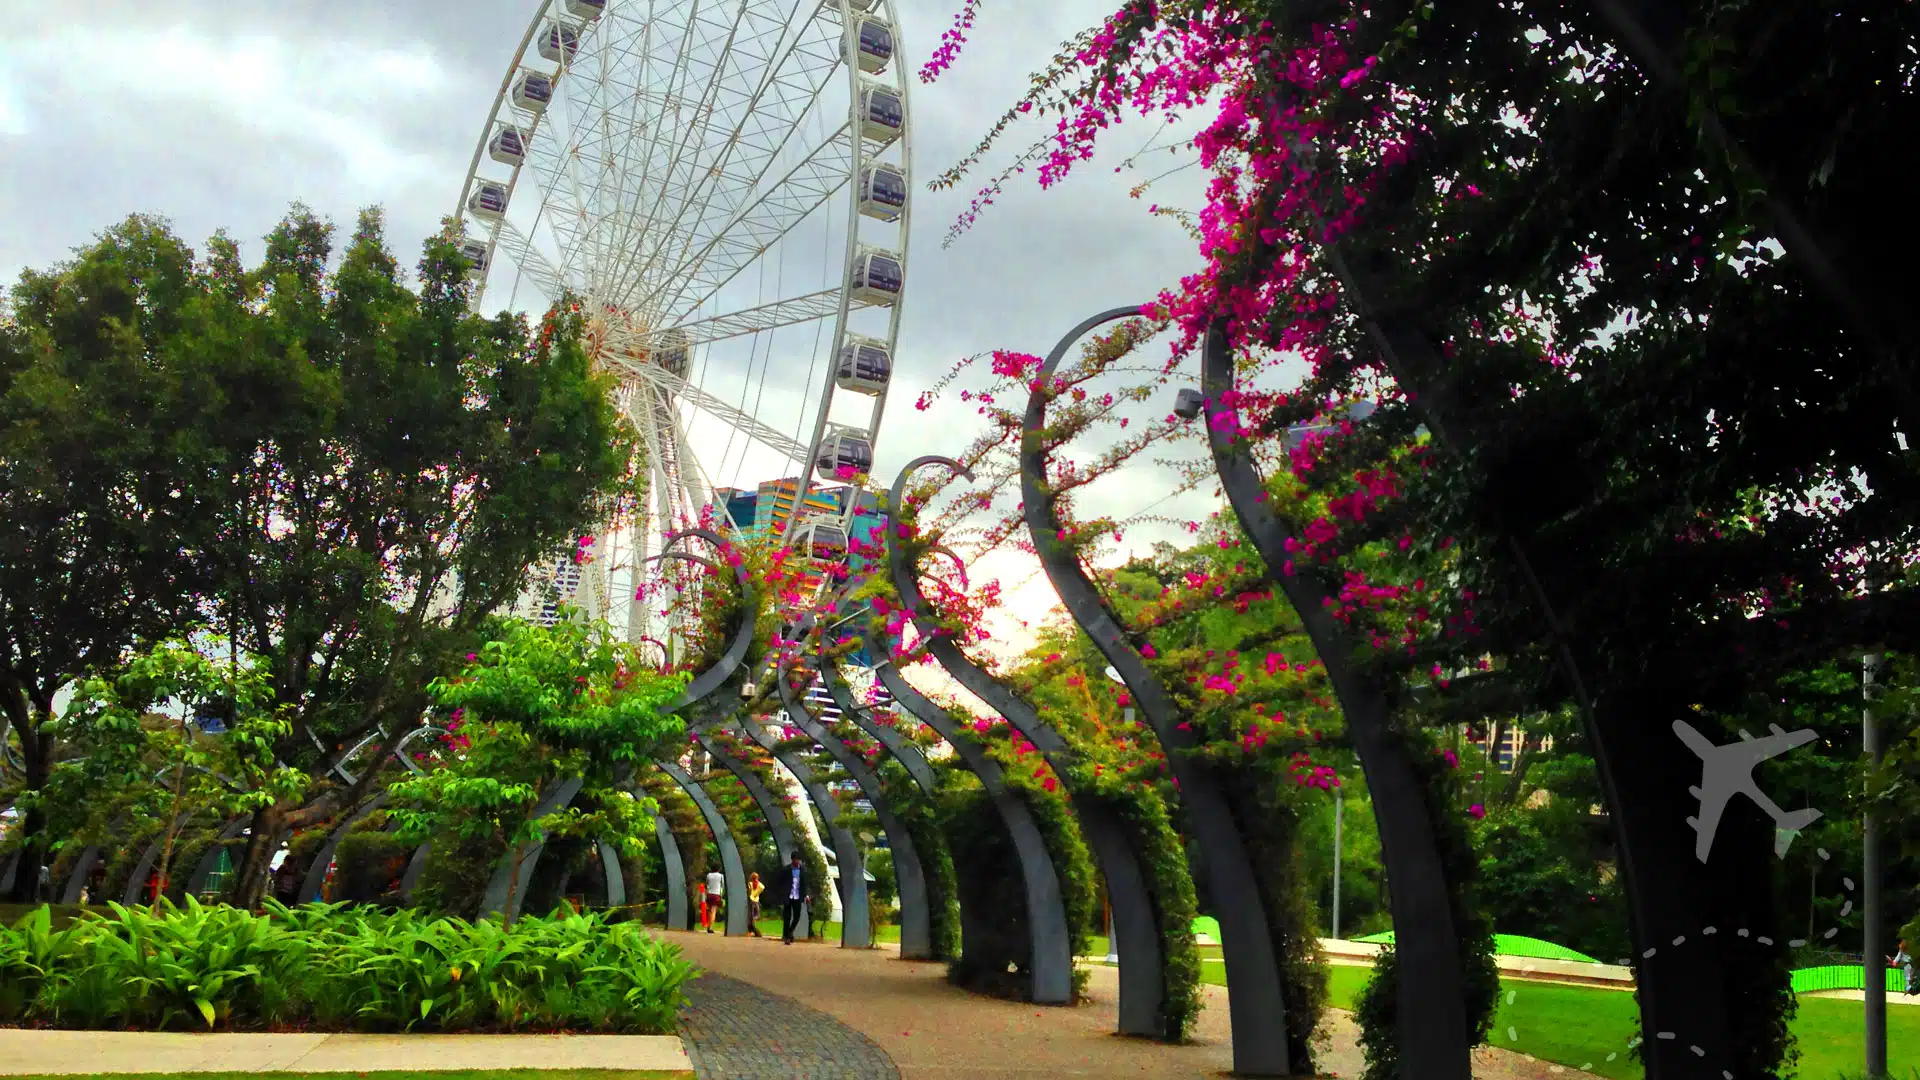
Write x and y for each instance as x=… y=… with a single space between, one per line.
x=768 y=506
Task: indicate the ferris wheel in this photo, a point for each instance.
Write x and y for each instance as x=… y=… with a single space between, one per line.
x=661 y=160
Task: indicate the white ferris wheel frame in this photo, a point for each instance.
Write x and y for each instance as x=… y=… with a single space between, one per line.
x=767 y=217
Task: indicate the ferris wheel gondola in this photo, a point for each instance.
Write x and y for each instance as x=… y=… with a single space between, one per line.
x=643 y=156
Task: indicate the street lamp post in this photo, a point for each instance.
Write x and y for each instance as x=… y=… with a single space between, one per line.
x=1338 y=805
x=1875 y=1011
x=1113 y=948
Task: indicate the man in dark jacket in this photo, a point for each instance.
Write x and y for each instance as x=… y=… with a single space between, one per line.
x=792 y=886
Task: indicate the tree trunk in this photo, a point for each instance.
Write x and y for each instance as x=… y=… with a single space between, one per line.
x=250 y=877
x=173 y=821
x=31 y=715
x=513 y=887
x=36 y=746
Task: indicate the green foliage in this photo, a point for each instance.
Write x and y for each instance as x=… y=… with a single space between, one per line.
x=336 y=969
x=923 y=816
x=1378 y=1010
x=94 y=491
x=995 y=949
x=1531 y=885
x=536 y=706
x=1274 y=802
x=368 y=864
x=129 y=761
x=347 y=474
x=1164 y=859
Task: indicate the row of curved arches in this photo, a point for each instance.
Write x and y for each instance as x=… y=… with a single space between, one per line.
x=1437 y=939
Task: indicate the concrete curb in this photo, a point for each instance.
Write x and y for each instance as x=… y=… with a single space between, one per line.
x=24 y=1052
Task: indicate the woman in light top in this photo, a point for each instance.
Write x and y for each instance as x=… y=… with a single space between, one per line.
x=754 y=889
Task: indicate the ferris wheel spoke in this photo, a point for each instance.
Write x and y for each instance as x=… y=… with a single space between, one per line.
x=671 y=139
x=692 y=474
x=751 y=426
x=660 y=149
x=752 y=45
x=795 y=197
x=519 y=247
x=800 y=309
x=759 y=126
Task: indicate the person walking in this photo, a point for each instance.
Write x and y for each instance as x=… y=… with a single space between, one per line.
x=754 y=889
x=1902 y=959
x=793 y=893
x=716 y=897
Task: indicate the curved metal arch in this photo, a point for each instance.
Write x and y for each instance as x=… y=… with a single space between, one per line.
x=1136 y=922
x=339 y=765
x=675 y=865
x=1052 y=959
x=497 y=899
x=666 y=654
x=1431 y=1016
x=916 y=925
x=82 y=867
x=856 y=931
x=1253 y=965
x=776 y=817
x=615 y=877
x=315 y=879
x=763 y=797
x=739 y=919
x=903 y=749
x=705 y=683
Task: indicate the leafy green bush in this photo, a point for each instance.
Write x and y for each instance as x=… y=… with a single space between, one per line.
x=368 y=864
x=322 y=967
x=996 y=944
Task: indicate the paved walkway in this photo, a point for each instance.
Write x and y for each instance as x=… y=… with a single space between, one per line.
x=933 y=1031
x=737 y=1031
x=24 y=1051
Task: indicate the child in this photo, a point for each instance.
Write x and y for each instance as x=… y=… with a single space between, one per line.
x=1904 y=960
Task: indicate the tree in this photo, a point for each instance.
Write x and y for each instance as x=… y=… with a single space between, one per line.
x=98 y=481
x=1595 y=258
x=386 y=466
x=109 y=722
x=542 y=704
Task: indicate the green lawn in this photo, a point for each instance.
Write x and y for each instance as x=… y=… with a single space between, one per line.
x=1578 y=1026
x=889 y=933
x=474 y=1074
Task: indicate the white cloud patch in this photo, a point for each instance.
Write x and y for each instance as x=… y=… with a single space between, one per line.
x=328 y=96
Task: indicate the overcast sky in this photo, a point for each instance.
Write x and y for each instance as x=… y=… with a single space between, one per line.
x=215 y=114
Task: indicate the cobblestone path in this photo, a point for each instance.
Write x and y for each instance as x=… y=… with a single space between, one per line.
x=736 y=1031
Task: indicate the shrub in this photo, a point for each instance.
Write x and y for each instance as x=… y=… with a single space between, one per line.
x=330 y=967
x=368 y=865
x=996 y=943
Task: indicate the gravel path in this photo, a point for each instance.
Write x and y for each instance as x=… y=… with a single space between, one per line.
x=933 y=1031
